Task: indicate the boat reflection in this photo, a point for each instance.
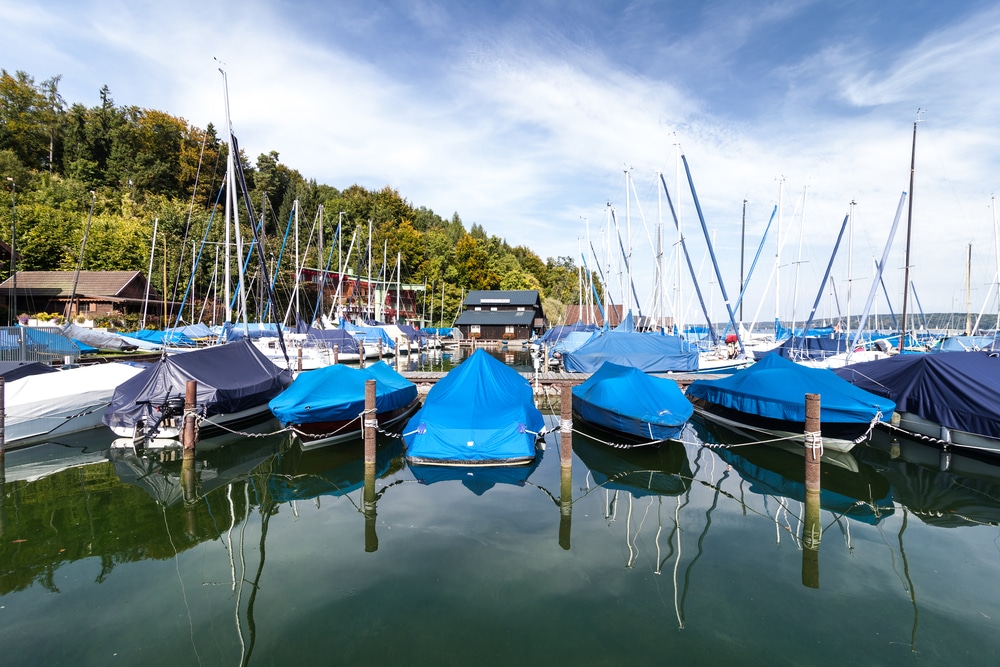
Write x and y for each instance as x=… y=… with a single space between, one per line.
x=478 y=479
x=656 y=470
x=965 y=493
x=330 y=471
x=850 y=488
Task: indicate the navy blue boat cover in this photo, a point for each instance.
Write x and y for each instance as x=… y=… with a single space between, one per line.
x=231 y=378
x=650 y=352
x=481 y=412
x=775 y=387
x=960 y=390
x=622 y=398
x=337 y=393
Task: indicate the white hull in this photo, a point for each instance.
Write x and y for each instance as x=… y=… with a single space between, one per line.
x=40 y=408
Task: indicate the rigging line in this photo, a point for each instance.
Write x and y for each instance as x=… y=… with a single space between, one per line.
x=201 y=250
x=187 y=228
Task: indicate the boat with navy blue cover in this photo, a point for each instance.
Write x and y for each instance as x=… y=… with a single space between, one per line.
x=325 y=406
x=628 y=403
x=235 y=382
x=767 y=400
x=951 y=397
x=481 y=413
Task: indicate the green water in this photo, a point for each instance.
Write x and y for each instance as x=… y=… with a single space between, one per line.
x=684 y=555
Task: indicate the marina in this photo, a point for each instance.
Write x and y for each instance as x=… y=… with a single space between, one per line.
x=258 y=552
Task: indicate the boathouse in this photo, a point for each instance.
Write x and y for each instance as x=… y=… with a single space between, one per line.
x=96 y=292
x=502 y=315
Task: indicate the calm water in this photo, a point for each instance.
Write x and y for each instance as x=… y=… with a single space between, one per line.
x=260 y=554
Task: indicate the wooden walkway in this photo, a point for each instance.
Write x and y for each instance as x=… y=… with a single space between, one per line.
x=547 y=380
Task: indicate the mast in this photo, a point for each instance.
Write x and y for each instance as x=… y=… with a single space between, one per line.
x=909 y=229
x=743 y=236
x=777 y=254
x=149 y=273
x=850 y=264
x=968 y=289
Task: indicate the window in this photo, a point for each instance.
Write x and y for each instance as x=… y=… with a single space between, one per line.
x=474 y=329
x=509 y=329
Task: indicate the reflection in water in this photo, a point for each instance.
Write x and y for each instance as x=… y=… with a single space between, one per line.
x=654 y=471
x=478 y=479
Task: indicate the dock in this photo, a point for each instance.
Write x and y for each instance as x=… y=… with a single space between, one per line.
x=546 y=381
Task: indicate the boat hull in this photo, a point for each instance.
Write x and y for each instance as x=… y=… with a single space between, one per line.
x=838 y=437
x=324 y=434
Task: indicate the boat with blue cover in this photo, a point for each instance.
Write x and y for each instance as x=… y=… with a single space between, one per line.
x=325 y=406
x=481 y=413
x=767 y=400
x=626 y=402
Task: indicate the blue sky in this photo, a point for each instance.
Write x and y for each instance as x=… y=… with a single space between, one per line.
x=524 y=116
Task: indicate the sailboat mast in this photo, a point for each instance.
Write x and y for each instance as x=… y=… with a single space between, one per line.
x=909 y=229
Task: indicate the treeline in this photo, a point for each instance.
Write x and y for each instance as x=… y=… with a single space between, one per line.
x=115 y=170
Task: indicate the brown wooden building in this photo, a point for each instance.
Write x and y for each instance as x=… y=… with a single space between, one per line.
x=97 y=292
x=502 y=315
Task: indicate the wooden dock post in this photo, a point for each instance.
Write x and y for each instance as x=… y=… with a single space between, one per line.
x=566 y=425
x=380 y=354
x=368 y=504
x=370 y=422
x=812 y=527
x=361 y=354
x=298 y=359
x=190 y=429
x=336 y=353
x=399 y=353
x=369 y=509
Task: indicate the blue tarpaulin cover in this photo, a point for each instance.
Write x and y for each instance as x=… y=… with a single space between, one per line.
x=960 y=390
x=337 y=392
x=775 y=388
x=231 y=378
x=625 y=399
x=481 y=412
x=650 y=352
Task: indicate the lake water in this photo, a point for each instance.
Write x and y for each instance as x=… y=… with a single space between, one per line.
x=257 y=553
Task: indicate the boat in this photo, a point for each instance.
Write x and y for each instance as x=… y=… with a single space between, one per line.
x=952 y=398
x=330 y=471
x=48 y=405
x=481 y=413
x=325 y=406
x=767 y=400
x=626 y=402
x=650 y=352
x=235 y=382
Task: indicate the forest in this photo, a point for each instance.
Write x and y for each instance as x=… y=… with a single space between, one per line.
x=108 y=174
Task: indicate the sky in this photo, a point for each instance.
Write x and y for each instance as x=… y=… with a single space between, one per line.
x=541 y=119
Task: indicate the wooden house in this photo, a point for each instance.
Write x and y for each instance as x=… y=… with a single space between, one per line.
x=502 y=315
x=96 y=293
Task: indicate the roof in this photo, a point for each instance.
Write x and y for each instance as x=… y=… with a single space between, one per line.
x=502 y=298
x=90 y=283
x=523 y=318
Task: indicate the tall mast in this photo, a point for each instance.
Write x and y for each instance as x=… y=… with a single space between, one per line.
x=909 y=228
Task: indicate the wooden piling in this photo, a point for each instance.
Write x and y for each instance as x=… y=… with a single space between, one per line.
x=566 y=425
x=565 y=505
x=380 y=348
x=361 y=354
x=298 y=358
x=399 y=353
x=812 y=527
x=190 y=428
x=189 y=488
x=370 y=422
x=369 y=509
x=813 y=443
x=336 y=353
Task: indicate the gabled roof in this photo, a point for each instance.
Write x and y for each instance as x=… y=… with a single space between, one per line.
x=90 y=283
x=524 y=318
x=502 y=298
